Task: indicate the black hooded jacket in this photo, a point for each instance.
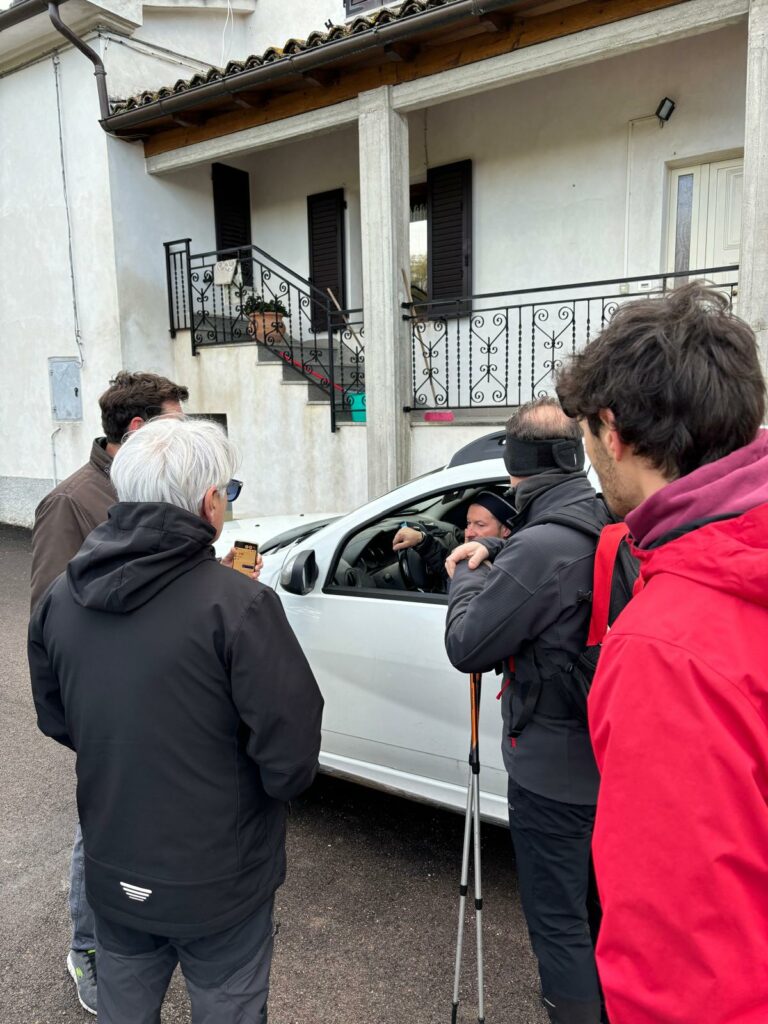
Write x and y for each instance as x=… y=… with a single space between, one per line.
x=194 y=715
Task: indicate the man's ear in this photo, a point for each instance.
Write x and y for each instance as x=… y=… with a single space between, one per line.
x=505 y=532
x=135 y=423
x=207 y=508
x=609 y=435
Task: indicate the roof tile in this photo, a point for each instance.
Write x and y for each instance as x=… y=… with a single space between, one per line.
x=315 y=40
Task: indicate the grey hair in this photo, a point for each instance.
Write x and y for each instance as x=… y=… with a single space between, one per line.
x=174 y=460
x=542 y=419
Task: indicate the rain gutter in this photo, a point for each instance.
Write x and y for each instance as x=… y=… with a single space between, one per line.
x=22 y=12
x=304 y=62
x=98 y=65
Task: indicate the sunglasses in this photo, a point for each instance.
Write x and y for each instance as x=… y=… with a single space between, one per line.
x=233 y=489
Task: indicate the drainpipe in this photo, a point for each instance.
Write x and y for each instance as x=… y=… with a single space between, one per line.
x=93 y=57
x=53 y=456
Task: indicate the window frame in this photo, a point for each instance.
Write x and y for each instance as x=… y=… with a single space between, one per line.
x=330 y=588
x=355 y=7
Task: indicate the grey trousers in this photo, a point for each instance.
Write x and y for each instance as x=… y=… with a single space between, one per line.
x=227 y=974
x=83 y=935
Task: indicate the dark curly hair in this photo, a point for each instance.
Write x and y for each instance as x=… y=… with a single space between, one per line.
x=681 y=375
x=135 y=394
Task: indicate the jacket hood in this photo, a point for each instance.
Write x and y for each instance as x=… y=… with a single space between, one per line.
x=736 y=483
x=136 y=553
x=730 y=554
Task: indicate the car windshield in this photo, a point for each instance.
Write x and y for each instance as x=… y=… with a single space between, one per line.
x=298 y=533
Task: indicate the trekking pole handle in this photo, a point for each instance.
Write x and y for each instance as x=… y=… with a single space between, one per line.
x=475 y=680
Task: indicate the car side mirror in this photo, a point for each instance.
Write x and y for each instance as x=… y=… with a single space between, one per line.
x=301 y=575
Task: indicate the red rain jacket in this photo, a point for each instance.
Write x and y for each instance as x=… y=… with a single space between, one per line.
x=679 y=721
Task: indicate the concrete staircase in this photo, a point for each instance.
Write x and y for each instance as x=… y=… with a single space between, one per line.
x=305 y=366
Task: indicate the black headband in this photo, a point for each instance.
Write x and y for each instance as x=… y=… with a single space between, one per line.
x=527 y=458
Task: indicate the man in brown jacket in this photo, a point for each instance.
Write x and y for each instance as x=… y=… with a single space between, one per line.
x=63 y=520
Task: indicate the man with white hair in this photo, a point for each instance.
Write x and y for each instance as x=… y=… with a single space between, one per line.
x=195 y=718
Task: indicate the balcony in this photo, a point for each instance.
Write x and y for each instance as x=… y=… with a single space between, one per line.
x=503 y=348
x=491 y=351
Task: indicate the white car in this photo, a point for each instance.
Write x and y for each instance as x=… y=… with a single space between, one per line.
x=396 y=711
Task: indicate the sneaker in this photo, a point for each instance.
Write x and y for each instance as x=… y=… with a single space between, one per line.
x=82 y=966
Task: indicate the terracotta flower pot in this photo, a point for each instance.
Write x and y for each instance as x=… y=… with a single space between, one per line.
x=266 y=327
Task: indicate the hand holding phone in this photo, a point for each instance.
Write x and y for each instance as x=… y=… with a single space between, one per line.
x=245 y=557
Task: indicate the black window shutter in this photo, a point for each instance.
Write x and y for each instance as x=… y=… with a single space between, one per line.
x=449 y=231
x=325 y=213
x=232 y=214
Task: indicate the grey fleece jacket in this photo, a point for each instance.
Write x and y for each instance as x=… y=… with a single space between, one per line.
x=534 y=605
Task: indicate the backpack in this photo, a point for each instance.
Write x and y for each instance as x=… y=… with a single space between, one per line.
x=616 y=578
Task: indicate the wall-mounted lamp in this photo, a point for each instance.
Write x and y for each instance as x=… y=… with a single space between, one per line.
x=664 y=110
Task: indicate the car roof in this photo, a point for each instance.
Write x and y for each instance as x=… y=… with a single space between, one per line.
x=489 y=446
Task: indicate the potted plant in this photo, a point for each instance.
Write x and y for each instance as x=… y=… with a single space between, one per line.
x=265 y=316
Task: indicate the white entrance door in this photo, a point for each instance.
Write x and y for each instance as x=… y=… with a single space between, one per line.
x=705 y=216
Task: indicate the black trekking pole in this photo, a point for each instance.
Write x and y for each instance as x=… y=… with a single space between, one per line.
x=471 y=827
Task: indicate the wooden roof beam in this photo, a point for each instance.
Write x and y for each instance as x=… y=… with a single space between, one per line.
x=249 y=99
x=400 y=53
x=495 y=21
x=187 y=119
x=319 y=77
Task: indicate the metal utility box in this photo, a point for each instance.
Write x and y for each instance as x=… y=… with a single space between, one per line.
x=66 y=389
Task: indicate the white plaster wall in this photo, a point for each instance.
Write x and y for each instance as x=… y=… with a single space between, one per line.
x=207 y=35
x=210 y=36
x=36 y=313
x=276 y=21
x=147 y=212
x=550 y=158
x=433 y=444
x=291 y=462
x=133 y=66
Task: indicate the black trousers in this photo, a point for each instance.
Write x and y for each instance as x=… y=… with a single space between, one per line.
x=552 y=843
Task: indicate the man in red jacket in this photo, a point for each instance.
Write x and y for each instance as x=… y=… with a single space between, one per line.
x=671 y=397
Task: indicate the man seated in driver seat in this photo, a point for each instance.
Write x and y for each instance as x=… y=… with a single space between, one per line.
x=487 y=516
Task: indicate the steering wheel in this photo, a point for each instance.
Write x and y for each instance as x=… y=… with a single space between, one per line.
x=413 y=571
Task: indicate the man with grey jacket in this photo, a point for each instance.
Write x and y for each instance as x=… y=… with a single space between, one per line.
x=529 y=612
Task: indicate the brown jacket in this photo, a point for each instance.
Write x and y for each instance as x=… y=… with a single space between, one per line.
x=66 y=516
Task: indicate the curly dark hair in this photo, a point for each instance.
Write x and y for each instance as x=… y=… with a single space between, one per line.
x=681 y=375
x=135 y=394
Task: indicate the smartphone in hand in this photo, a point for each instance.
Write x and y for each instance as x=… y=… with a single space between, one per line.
x=246 y=553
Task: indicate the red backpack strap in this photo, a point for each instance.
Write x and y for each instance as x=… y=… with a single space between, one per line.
x=605 y=559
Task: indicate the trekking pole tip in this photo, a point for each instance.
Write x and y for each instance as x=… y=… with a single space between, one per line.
x=454 y=1012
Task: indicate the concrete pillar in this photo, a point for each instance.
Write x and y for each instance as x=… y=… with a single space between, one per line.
x=384 y=209
x=753 y=274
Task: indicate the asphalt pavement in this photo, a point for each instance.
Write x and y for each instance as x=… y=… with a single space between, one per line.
x=367 y=916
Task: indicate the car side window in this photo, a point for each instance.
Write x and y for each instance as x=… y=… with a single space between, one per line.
x=367 y=564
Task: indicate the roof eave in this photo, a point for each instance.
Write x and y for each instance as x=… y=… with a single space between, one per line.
x=300 y=63
x=23 y=12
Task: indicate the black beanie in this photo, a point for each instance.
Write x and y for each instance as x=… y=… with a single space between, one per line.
x=499 y=507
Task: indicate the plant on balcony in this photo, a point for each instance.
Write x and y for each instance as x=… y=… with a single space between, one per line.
x=266 y=318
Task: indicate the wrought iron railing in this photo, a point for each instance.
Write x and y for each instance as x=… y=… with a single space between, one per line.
x=504 y=348
x=347 y=376
x=245 y=296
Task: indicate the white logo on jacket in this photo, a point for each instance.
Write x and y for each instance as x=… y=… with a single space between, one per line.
x=135 y=892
